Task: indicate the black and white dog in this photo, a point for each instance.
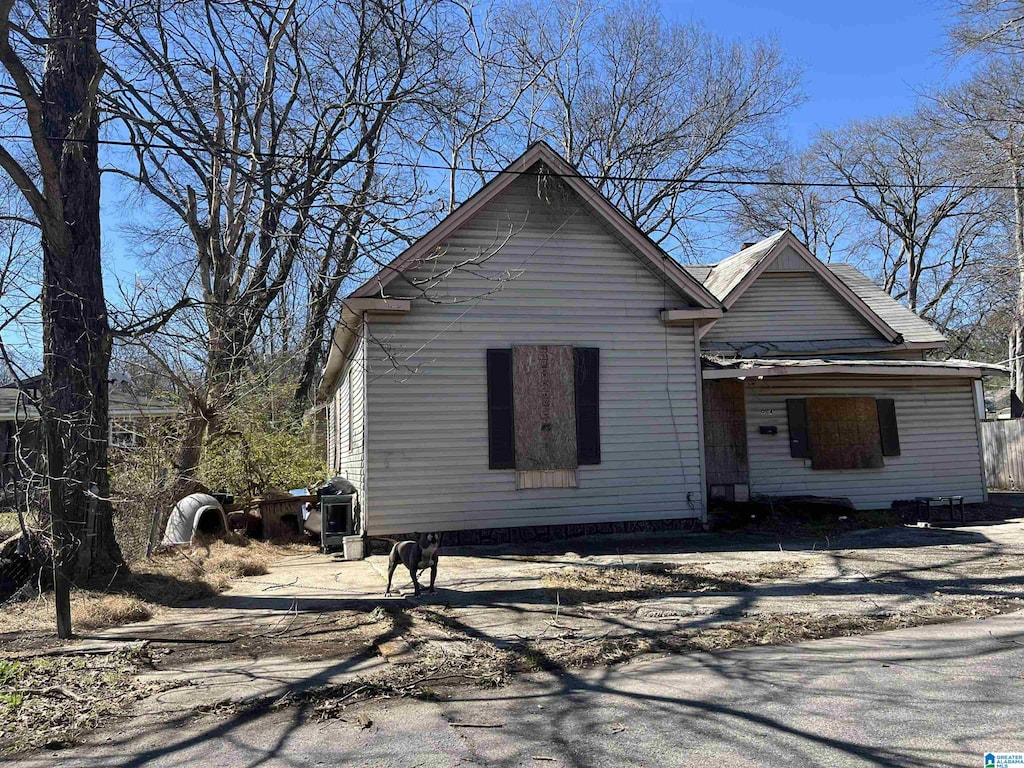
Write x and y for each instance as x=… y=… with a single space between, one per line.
x=417 y=556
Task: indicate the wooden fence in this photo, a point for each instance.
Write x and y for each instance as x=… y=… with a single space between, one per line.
x=1003 y=443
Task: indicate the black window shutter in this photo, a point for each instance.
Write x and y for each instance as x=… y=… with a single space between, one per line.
x=588 y=411
x=799 y=441
x=887 y=428
x=500 y=425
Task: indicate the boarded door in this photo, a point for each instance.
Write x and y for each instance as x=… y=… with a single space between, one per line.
x=725 y=432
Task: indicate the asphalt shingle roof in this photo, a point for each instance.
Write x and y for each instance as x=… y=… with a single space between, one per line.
x=895 y=315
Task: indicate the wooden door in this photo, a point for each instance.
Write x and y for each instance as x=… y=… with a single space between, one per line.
x=725 y=432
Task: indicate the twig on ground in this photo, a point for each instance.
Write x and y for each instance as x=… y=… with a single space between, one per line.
x=53 y=690
x=291 y=583
x=352 y=693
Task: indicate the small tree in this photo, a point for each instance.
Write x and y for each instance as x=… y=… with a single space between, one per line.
x=262 y=446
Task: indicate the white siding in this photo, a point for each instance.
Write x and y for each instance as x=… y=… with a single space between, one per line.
x=575 y=284
x=789 y=261
x=346 y=443
x=940 y=454
x=790 y=306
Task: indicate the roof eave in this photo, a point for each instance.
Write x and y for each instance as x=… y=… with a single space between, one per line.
x=347 y=330
x=848 y=370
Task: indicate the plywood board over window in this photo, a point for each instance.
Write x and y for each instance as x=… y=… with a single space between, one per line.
x=543 y=381
x=844 y=433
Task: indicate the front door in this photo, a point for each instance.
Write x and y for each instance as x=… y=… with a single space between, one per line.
x=725 y=437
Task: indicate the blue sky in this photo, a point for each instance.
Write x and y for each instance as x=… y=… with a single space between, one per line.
x=860 y=59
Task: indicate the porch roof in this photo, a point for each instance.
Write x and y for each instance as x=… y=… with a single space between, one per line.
x=740 y=368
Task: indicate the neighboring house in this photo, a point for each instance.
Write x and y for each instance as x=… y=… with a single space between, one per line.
x=536 y=360
x=20 y=439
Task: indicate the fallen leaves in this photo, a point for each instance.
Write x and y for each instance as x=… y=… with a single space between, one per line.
x=52 y=699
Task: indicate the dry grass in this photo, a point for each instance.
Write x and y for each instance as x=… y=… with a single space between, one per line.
x=170 y=578
x=8 y=524
x=600 y=583
x=183 y=575
x=97 y=611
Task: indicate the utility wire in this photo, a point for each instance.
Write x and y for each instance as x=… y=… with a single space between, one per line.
x=547 y=173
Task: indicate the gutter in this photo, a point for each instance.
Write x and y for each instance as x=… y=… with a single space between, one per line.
x=347 y=331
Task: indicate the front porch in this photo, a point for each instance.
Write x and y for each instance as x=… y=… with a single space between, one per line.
x=872 y=431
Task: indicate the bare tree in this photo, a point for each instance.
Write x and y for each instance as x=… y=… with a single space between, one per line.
x=924 y=224
x=255 y=126
x=19 y=282
x=985 y=119
x=658 y=111
x=990 y=105
x=988 y=26
x=790 y=200
x=503 y=50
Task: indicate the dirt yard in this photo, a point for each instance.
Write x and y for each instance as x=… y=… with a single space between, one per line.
x=308 y=627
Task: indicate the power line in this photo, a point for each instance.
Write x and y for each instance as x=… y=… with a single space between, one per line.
x=550 y=173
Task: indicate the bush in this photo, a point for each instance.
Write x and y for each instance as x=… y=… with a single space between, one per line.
x=263 y=445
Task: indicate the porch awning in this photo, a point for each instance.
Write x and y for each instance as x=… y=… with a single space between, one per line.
x=741 y=368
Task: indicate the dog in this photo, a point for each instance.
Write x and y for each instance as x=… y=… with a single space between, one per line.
x=417 y=556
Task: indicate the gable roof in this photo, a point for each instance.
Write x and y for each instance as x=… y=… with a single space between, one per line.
x=645 y=248
x=910 y=325
x=726 y=276
x=729 y=279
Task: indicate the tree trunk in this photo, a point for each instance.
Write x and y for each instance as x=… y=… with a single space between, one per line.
x=313 y=343
x=223 y=368
x=76 y=332
x=184 y=479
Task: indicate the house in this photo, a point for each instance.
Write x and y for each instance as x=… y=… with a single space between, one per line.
x=536 y=360
x=21 y=441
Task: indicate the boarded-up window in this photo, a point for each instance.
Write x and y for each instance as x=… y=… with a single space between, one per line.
x=543 y=407
x=543 y=386
x=843 y=433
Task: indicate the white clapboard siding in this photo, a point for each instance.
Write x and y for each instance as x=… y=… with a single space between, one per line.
x=348 y=435
x=790 y=306
x=938 y=432
x=557 y=278
x=789 y=261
